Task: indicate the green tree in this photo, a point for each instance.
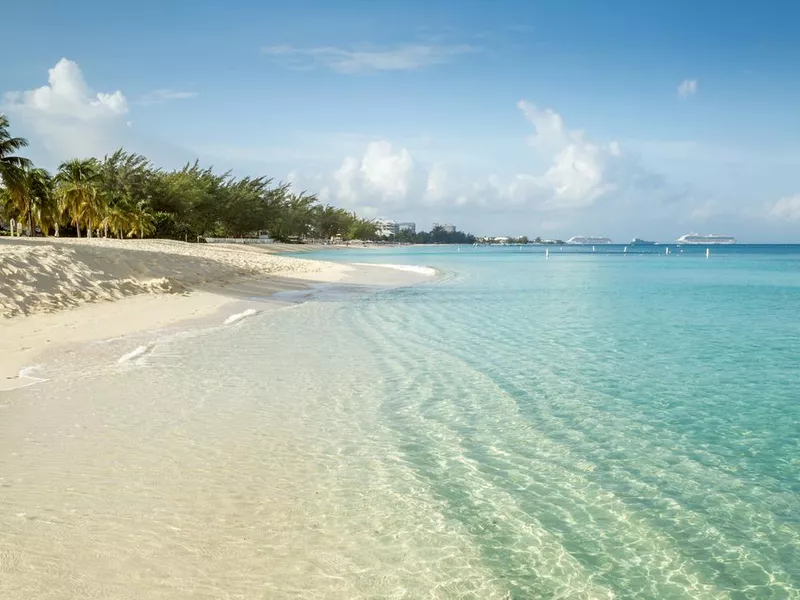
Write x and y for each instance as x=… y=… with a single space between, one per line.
x=13 y=167
x=39 y=201
x=141 y=221
x=124 y=194
x=78 y=188
x=362 y=229
x=293 y=220
x=31 y=200
x=118 y=221
x=125 y=185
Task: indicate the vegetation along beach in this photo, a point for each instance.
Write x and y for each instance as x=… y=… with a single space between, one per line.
x=393 y=300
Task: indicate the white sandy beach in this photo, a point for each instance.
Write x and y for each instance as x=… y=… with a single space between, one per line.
x=62 y=292
x=127 y=475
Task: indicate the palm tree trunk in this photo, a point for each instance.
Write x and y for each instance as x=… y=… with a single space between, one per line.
x=105 y=230
x=89 y=230
x=78 y=227
x=56 y=229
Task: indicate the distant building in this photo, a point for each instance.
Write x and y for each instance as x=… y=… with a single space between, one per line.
x=447 y=228
x=386 y=227
x=408 y=226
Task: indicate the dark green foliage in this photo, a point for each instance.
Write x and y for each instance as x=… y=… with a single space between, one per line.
x=437 y=235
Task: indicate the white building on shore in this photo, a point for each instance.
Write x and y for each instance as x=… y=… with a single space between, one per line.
x=446 y=227
x=386 y=227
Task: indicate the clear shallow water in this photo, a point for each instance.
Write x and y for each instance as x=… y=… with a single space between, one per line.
x=588 y=426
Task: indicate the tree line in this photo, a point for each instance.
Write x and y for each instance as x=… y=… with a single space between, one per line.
x=125 y=195
x=437 y=235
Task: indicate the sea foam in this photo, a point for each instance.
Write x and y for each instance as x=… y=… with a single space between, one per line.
x=26 y=373
x=135 y=353
x=419 y=269
x=239 y=316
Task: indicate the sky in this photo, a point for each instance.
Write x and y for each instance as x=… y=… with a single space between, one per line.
x=552 y=119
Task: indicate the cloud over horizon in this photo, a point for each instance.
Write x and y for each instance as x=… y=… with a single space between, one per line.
x=568 y=172
x=787 y=208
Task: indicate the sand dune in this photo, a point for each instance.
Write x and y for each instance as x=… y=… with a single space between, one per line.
x=52 y=292
x=46 y=276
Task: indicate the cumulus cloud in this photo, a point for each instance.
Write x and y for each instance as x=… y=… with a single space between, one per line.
x=67 y=94
x=436 y=185
x=382 y=174
x=166 y=95
x=687 y=87
x=366 y=60
x=787 y=208
x=569 y=172
x=576 y=175
x=66 y=116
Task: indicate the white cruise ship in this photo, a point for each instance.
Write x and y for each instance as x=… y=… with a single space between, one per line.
x=713 y=238
x=581 y=239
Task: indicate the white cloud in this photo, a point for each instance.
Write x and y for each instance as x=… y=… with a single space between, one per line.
x=382 y=174
x=687 y=87
x=165 y=95
x=573 y=173
x=787 y=208
x=568 y=173
x=576 y=175
x=366 y=60
x=436 y=186
x=67 y=94
x=67 y=117
x=387 y=171
x=347 y=179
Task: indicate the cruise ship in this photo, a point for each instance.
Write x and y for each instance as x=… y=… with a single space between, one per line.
x=641 y=242
x=696 y=238
x=580 y=239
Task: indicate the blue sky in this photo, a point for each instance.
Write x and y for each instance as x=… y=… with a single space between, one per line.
x=541 y=118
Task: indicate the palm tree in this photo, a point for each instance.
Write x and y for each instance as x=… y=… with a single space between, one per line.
x=35 y=200
x=142 y=221
x=12 y=167
x=31 y=200
x=118 y=220
x=78 y=182
x=45 y=206
x=7 y=207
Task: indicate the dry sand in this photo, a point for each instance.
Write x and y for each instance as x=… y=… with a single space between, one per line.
x=57 y=292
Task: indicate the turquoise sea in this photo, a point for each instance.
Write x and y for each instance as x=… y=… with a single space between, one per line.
x=588 y=425
x=599 y=424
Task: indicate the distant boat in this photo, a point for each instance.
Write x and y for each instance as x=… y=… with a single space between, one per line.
x=588 y=240
x=696 y=238
x=641 y=242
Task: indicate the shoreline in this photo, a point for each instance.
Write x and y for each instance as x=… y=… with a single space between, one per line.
x=194 y=289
